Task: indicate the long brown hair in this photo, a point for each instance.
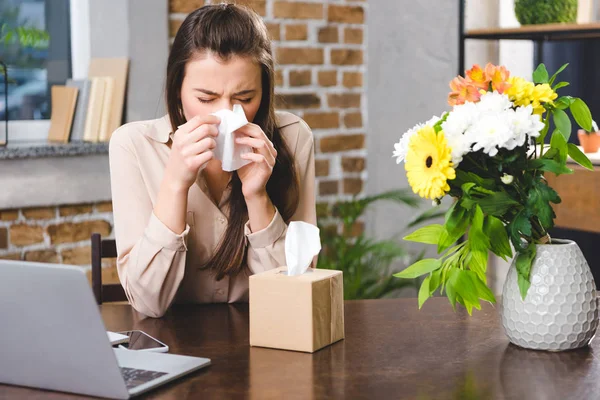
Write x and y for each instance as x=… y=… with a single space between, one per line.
x=228 y=30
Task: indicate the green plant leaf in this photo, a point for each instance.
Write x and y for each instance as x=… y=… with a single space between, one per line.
x=523 y=265
x=496 y=231
x=450 y=286
x=465 y=287
x=559 y=143
x=562 y=122
x=478 y=240
x=560 y=85
x=497 y=203
x=538 y=201
x=561 y=69
x=419 y=268
x=428 y=234
x=483 y=291
x=580 y=158
x=519 y=226
x=563 y=102
x=424 y=291
x=540 y=75
x=582 y=114
x=549 y=165
x=478 y=263
x=435 y=280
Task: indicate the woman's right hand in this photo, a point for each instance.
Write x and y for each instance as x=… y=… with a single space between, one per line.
x=191 y=150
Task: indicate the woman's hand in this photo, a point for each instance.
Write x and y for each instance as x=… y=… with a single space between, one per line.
x=254 y=176
x=191 y=150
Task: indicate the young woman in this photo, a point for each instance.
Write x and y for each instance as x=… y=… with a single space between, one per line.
x=186 y=230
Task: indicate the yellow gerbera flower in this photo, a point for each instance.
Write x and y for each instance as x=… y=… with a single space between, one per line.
x=428 y=163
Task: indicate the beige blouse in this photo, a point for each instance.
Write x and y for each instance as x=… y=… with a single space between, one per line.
x=157 y=266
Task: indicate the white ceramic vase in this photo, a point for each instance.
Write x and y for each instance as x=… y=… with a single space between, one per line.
x=560 y=311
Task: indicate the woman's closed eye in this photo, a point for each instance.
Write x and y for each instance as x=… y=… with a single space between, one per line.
x=205 y=100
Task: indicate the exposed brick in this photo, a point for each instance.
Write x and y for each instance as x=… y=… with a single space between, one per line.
x=322 y=120
x=353 y=120
x=346 y=14
x=39 y=213
x=344 y=100
x=289 y=101
x=353 y=164
x=300 y=78
x=352 y=79
x=185 y=6
x=74 y=232
x=9 y=215
x=327 y=78
x=346 y=57
x=322 y=210
x=274 y=31
x=174 y=25
x=297 y=10
x=353 y=35
x=355 y=230
x=278 y=77
x=11 y=256
x=353 y=185
x=77 y=256
x=3 y=238
x=65 y=211
x=299 y=55
x=109 y=275
x=46 y=256
x=335 y=143
x=328 y=188
x=329 y=34
x=23 y=234
x=105 y=206
x=321 y=167
x=296 y=32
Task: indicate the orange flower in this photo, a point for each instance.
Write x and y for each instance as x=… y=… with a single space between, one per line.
x=498 y=75
x=478 y=78
x=462 y=90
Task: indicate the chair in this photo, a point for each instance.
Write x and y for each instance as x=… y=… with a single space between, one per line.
x=104 y=248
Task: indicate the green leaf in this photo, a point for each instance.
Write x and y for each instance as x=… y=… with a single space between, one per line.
x=424 y=291
x=561 y=69
x=560 y=85
x=435 y=280
x=478 y=240
x=419 y=268
x=447 y=239
x=497 y=204
x=483 y=291
x=478 y=263
x=562 y=122
x=538 y=201
x=558 y=142
x=450 y=287
x=523 y=264
x=540 y=75
x=466 y=188
x=457 y=219
x=563 y=102
x=550 y=166
x=496 y=231
x=580 y=158
x=582 y=114
x=520 y=226
x=428 y=234
x=465 y=287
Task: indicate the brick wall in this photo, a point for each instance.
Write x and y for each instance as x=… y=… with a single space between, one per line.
x=320 y=49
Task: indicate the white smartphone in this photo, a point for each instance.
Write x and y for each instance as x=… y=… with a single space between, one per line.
x=141 y=341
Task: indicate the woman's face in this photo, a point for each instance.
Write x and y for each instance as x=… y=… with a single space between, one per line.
x=211 y=84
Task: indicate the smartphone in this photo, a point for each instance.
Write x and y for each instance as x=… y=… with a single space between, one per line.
x=141 y=341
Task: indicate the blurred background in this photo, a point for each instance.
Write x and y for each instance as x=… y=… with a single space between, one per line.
x=359 y=72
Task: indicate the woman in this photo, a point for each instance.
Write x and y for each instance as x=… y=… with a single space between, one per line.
x=185 y=229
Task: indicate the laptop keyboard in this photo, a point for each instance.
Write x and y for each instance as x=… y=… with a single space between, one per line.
x=135 y=377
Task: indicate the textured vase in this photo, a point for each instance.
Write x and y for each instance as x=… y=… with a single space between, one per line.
x=560 y=311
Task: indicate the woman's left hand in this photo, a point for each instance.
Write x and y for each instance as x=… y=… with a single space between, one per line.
x=254 y=176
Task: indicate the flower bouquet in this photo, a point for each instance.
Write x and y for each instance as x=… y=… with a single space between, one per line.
x=489 y=154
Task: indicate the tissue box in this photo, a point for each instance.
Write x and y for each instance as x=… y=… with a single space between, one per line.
x=301 y=313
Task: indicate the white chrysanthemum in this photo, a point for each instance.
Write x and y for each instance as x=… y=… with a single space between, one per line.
x=494 y=102
x=455 y=126
x=401 y=148
x=524 y=124
x=490 y=132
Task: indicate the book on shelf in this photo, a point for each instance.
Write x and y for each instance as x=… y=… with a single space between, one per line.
x=83 y=99
x=94 y=110
x=63 y=100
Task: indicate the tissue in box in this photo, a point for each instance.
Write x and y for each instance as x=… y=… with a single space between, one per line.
x=302 y=313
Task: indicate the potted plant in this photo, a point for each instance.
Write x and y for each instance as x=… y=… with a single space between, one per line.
x=590 y=141
x=545 y=11
x=488 y=153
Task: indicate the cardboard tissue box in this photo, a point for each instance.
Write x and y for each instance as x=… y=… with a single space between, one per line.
x=296 y=307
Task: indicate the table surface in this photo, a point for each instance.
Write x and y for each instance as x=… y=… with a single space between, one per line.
x=391 y=351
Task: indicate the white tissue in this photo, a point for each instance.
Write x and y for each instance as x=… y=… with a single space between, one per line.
x=227 y=150
x=302 y=243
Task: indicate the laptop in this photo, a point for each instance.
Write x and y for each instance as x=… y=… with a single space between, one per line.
x=52 y=337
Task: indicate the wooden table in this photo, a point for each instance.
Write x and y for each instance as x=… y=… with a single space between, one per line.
x=391 y=351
